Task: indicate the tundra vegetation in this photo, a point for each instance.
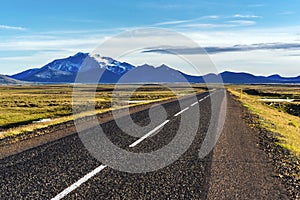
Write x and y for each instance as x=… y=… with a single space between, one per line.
x=25 y=108
x=282 y=118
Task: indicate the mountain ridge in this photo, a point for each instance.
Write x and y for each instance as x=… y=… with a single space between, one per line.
x=8 y=81
x=65 y=71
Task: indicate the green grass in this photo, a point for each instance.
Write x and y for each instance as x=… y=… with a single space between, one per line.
x=22 y=105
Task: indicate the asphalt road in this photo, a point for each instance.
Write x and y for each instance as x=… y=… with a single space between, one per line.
x=64 y=169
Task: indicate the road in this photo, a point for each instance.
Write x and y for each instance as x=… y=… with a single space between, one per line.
x=64 y=169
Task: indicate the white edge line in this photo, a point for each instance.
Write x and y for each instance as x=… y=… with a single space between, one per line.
x=79 y=182
x=148 y=134
x=181 y=112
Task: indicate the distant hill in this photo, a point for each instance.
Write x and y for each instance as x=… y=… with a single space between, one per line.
x=246 y=78
x=7 y=80
x=65 y=71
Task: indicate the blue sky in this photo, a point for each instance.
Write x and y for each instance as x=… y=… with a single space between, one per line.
x=33 y=33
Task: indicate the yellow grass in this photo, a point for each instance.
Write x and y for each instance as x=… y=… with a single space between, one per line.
x=21 y=105
x=274 y=120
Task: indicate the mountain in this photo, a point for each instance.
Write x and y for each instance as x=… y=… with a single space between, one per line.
x=113 y=65
x=7 y=80
x=162 y=73
x=246 y=78
x=65 y=70
x=112 y=71
x=24 y=74
x=241 y=77
x=277 y=77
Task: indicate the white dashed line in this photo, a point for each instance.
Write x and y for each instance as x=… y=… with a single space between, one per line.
x=203 y=98
x=181 y=112
x=148 y=134
x=194 y=103
x=79 y=182
x=208 y=95
x=88 y=176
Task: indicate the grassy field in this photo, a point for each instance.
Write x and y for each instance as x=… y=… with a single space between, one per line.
x=22 y=107
x=282 y=118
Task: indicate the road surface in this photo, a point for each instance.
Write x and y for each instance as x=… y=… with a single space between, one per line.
x=64 y=169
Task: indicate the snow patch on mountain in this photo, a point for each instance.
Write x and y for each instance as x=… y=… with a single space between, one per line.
x=70 y=64
x=112 y=65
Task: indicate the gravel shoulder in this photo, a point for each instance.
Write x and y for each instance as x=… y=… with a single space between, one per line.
x=240 y=168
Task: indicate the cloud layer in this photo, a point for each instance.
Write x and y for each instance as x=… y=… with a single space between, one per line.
x=17 y=28
x=215 y=50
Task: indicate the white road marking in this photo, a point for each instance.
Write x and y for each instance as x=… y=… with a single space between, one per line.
x=88 y=176
x=203 y=98
x=207 y=96
x=194 y=103
x=79 y=182
x=181 y=112
x=148 y=134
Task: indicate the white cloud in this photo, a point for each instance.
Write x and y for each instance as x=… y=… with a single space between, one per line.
x=61 y=45
x=201 y=22
x=17 y=28
x=247 y=36
x=40 y=45
x=207 y=25
x=172 y=22
x=228 y=24
x=287 y=13
x=245 y=16
x=259 y=63
x=175 y=22
x=243 y=22
x=15 y=64
x=210 y=17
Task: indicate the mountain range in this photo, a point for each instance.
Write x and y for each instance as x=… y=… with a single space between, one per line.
x=112 y=71
x=7 y=80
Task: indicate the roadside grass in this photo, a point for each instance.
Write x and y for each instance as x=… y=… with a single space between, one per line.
x=281 y=91
x=23 y=106
x=272 y=118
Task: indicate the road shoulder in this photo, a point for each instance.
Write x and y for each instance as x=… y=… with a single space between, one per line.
x=240 y=169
